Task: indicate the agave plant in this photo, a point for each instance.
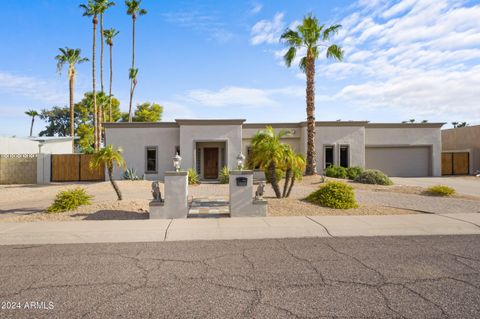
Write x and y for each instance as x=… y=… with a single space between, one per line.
x=131 y=174
x=224 y=175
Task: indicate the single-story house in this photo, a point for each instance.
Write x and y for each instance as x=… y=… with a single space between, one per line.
x=35 y=145
x=412 y=149
x=461 y=150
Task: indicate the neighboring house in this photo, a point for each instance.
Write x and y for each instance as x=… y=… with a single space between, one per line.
x=35 y=145
x=461 y=150
x=208 y=145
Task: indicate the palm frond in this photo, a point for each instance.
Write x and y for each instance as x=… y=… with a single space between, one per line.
x=335 y=52
x=332 y=30
x=290 y=56
x=303 y=64
x=292 y=38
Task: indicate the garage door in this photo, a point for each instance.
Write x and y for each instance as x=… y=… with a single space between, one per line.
x=399 y=161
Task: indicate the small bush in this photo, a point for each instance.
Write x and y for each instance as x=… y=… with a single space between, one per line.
x=334 y=195
x=336 y=171
x=373 y=176
x=193 y=177
x=69 y=200
x=224 y=175
x=131 y=174
x=440 y=190
x=278 y=173
x=353 y=172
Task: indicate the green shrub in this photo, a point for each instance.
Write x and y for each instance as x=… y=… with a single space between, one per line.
x=373 y=176
x=336 y=171
x=440 y=190
x=193 y=177
x=131 y=174
x=69 y=200
x=353 y=172
x=224 y=175
x=278 y=173
x=334 y=195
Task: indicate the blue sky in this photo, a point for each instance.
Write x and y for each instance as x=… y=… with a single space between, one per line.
x=221 y=59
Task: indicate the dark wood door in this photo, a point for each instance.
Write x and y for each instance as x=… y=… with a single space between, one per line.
x=210 y=163
x=460 y=163
x=447 y=163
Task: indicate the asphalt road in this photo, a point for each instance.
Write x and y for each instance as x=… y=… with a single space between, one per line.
x=411 y=277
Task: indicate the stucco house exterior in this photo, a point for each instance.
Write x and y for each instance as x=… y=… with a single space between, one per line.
x=412 y=149
x=461 y=150
x=35 y=145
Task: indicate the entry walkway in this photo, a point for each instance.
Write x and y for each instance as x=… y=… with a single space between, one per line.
x=236 y=228
x=209 y=207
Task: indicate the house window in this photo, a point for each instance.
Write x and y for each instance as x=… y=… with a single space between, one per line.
x=199 y=161
x=151 y=159
x=177 y=150
x=328 y=152
x=344 y=156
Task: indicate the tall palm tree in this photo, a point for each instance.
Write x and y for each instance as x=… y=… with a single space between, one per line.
x=268 y=153
x=104 y=5
x=133 y=9
x=311 y=37
x=109 y=35
x=32 y=113
x=108 y=157
x=71 y=57
x=93 y=9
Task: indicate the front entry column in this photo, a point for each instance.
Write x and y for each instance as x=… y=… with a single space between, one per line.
x=242 y=203
x=176 y=198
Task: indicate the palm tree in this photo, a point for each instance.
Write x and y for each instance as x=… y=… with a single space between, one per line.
x=71 y=57
x=108 y=157
x=298 y=167
x=32 y=113
x=104 y=5
x=133 y=9
x=109 y=35
x=267 y=153
x=93 y=9
x=311 y=37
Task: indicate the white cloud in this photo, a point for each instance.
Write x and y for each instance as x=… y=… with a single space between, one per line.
x=31 y=87
x=173 y=110
x=417 y=57
x=242 y=96
x=266 y=31
x=257 y=7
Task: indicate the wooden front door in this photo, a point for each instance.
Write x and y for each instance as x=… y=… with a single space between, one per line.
x=210 y=163
x=455 y=163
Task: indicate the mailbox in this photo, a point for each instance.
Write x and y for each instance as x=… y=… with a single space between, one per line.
x=242 y=181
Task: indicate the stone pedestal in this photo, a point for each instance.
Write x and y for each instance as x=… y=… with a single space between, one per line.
x=242 y=203
x=175 y=204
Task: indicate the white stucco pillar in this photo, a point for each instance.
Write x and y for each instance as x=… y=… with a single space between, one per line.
x=175 y=204
x=242 y=203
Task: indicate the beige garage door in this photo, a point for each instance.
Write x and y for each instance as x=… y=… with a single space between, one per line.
x=399 y=161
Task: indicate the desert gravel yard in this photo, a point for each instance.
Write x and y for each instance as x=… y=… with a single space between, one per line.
x=27 y=202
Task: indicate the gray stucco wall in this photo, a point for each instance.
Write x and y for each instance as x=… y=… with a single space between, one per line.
x=133 y=141
x=190 y=134
x=353 y=136
x=405 y=136
x=461 y=139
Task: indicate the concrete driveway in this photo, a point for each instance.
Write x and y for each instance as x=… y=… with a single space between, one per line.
x=468 y=185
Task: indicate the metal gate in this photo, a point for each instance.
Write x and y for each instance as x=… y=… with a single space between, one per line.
x=74 y=168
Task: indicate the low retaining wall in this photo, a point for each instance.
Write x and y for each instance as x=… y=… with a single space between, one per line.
x=18 y=169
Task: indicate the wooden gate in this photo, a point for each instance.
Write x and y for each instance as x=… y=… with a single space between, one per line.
x=74 y=168
x=455 y=163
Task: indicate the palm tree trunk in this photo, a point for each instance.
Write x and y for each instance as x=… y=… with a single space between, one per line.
x=72 y=110
x=31 y=126
x=273 y=179
x=291 y=186
x=288 y=174
x=132 y=86
x=101 y=51
x=95 y=110
x=110 y=90
x=114 y=184
x=311 y=168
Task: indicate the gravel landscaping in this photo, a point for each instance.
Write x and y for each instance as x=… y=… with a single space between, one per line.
x=27 y=202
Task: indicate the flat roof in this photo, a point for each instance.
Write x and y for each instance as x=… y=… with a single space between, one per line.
x=179 y=122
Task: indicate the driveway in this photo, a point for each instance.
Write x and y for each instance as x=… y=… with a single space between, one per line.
x=380 y=277
x=468 y=185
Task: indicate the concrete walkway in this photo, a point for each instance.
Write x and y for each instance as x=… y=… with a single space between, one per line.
x=236 y=228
